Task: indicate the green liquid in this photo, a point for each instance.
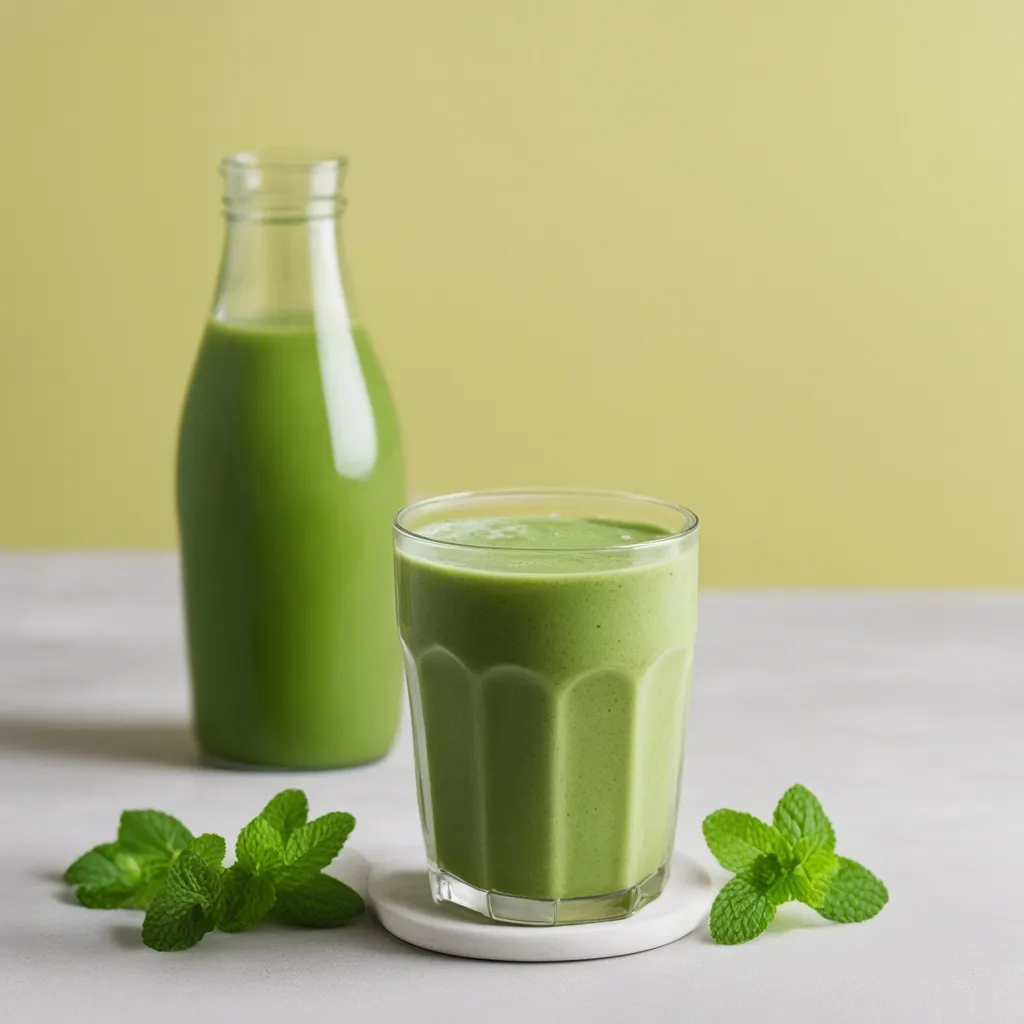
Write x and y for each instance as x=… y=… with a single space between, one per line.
x=549 y=698
x=287 y=563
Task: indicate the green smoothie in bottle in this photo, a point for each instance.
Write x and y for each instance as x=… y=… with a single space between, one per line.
x=289 y=472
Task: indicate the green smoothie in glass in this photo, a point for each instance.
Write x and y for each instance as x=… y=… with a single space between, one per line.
x=289 y=472
x=548 y=643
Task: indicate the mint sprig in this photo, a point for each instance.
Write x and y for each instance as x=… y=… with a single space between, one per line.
x=792 y=859
x=157 y=865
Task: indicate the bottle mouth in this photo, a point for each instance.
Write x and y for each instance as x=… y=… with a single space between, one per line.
x=283 y=184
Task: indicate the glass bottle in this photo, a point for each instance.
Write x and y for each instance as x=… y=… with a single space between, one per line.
x=289 y=472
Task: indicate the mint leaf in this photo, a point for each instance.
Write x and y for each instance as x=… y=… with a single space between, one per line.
x=287 y=811
x=799 y=816
x=173 y=925
x=259 y=849
x=108 y=878
x=805 y=889
x=152 y=832
x=312 y=847
x=854 y=894
x=820 y=865
x=780 y=890
x=320 y=902
x=210 y=847
x=191 y=879
x=97 y=867
x=741 y=911
x=246 y=899
x=737 y=839
x=810 y=867
x=114 y=896
x=186 y=908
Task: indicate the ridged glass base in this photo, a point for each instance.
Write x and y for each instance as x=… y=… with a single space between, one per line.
x=499 y=906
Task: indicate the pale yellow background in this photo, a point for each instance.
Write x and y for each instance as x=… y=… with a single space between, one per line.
x=763 y=257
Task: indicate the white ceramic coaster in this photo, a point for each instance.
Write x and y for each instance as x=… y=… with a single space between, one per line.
x=400 y=896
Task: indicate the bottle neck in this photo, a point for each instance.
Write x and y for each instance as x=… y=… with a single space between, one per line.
x=281 y=272
x=282 y=261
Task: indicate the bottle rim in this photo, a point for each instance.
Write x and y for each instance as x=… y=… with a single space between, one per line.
x=283 y=184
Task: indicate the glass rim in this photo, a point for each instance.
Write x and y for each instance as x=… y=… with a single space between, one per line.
x=283 y=158
x=691 y=522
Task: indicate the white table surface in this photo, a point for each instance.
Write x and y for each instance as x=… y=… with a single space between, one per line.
x=904 y=712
